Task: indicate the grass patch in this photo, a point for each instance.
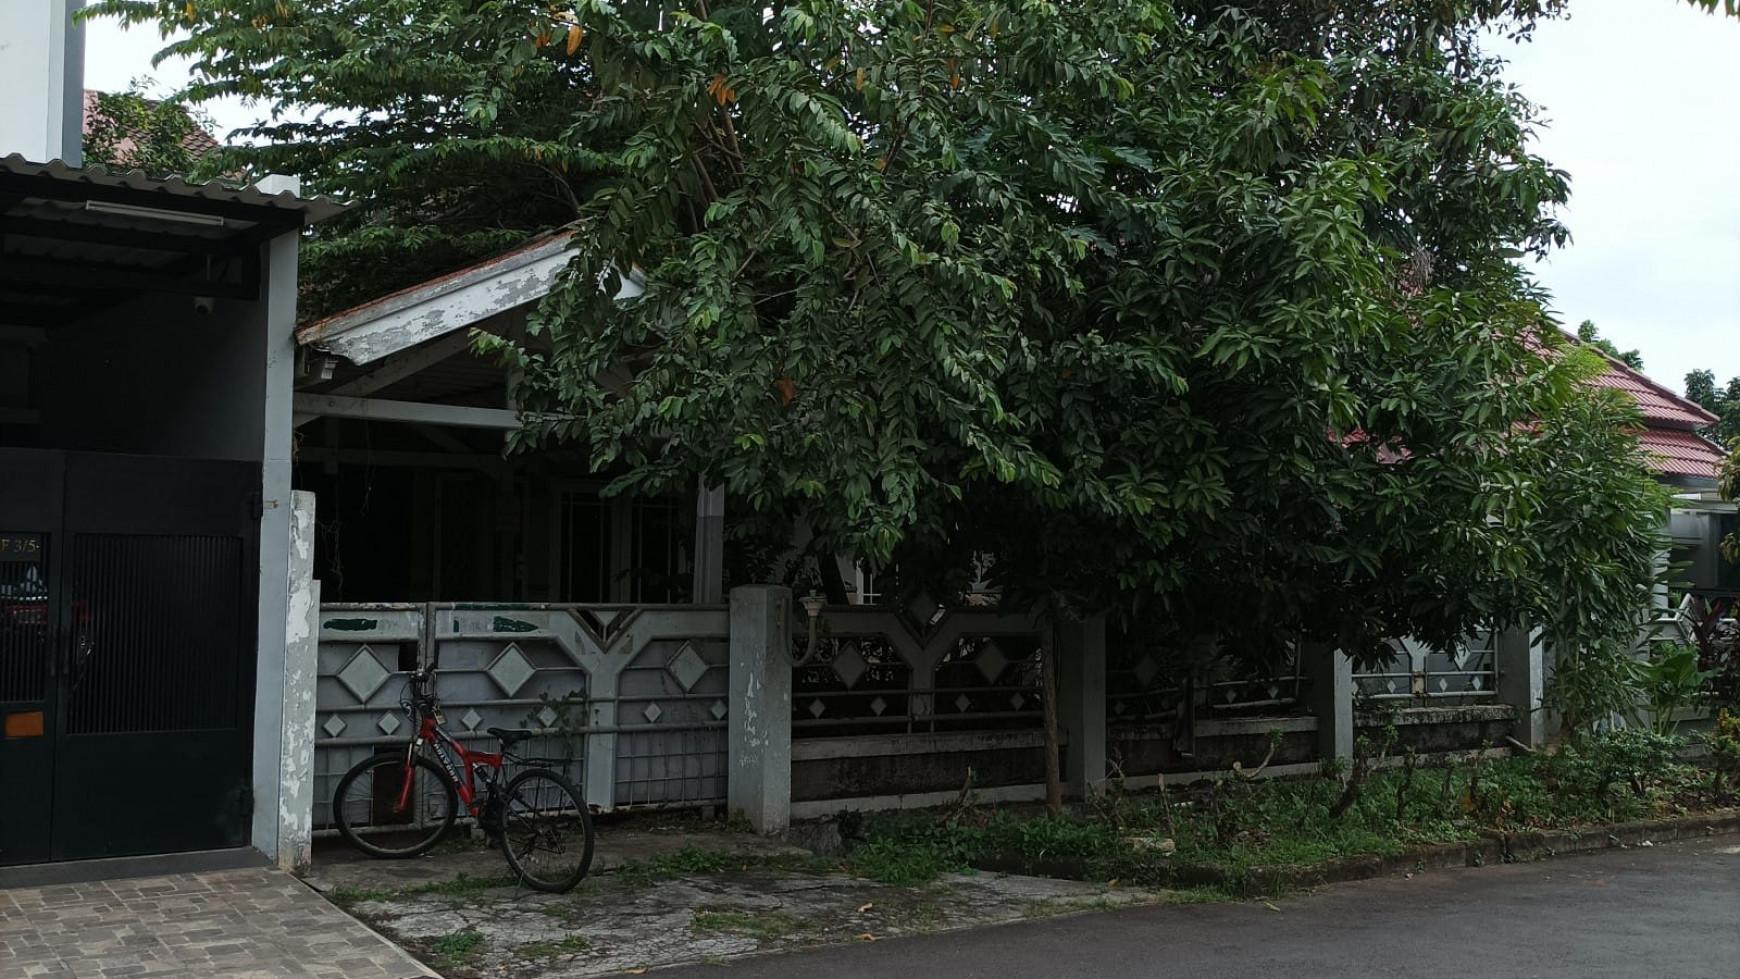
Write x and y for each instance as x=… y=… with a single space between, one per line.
x=1227 y=830
x=455 y=949
x=463 y=885
x=553 y=949
x=760 y=925
x=692 y=860
x=349 y=896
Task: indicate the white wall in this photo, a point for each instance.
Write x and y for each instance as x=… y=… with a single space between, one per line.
x=42 y=69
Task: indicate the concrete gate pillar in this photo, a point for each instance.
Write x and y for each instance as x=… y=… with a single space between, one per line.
x=1081 y=708
x=1520 y=661
x=759 y=732
x=1331 y=674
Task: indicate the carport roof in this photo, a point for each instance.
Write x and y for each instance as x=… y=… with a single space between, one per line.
x=74 y=239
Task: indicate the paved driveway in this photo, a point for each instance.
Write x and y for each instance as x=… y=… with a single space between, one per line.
x=255 y=923
x=1665 y=912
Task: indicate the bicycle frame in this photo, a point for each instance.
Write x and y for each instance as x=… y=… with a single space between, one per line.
x=460 y=769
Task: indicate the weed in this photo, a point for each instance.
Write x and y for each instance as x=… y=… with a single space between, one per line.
x=462 y=886
x=348 y=896
x=553 y=949
x=453 y=950
x=762 y=926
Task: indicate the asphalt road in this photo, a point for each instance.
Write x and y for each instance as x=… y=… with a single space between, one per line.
x=1664 y=912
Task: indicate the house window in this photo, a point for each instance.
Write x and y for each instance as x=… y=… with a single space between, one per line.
x=658 y=571
x=583 y=555
x=619 y=550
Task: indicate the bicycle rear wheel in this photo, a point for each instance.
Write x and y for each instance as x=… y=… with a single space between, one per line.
x=374 y=812
x=546 y=831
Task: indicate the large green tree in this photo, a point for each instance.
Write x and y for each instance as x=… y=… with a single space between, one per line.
x=1206 y=314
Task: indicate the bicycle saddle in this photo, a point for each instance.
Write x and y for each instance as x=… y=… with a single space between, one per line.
x=510 y=738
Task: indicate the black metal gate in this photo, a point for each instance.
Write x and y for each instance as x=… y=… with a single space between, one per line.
x=127 y=651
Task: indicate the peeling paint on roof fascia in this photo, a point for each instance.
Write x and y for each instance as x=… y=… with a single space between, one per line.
x=456 y=301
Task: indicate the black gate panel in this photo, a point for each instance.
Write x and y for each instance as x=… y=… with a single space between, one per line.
x=30 y=502
x=155 y=747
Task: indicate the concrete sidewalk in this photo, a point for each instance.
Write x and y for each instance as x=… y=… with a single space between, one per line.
x=253 y=923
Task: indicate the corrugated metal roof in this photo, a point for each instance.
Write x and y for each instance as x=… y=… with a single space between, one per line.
x=174 y=189
x=1679 y=453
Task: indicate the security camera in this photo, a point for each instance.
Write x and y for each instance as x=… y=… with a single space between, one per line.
x=203 y=305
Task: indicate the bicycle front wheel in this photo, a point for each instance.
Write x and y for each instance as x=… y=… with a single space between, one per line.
x=546 y=831
x=377 y=812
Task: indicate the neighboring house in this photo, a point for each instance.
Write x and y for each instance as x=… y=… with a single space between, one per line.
x=146 y=354
x=116 y=138
x=1690 y=465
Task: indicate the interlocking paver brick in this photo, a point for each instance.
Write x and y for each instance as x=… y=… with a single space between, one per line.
x=233 y=924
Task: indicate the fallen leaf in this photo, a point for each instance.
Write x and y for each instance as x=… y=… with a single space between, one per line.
x=867 y=937
x=867 y=906
x=1271 y=907
x=1112 y=883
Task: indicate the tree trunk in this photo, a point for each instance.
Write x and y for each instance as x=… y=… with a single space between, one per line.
x=1048 y=676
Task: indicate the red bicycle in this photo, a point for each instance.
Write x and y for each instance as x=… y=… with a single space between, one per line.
x=401 y=803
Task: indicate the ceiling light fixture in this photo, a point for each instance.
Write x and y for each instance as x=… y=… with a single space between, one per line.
x=153 y=213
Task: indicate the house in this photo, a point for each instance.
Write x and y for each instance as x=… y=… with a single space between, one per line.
x=146 y=361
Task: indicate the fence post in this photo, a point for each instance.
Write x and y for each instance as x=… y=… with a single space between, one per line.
x=1081 y=708
x=1520 y=663
x=295 y=801
x=1331 y=675
x=758 y=777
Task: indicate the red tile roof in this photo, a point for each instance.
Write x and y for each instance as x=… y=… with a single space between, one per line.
x=1676 y=453
x=1661 y=407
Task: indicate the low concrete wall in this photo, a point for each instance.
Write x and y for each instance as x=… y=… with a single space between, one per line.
x=1218 y=744
x=871 y=766
x=1430 y=730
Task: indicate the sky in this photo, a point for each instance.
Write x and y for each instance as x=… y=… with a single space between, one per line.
x=1639 y=112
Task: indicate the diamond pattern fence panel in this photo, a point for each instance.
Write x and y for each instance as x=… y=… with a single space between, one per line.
x=920 y=670
x=1146 y=688
x=1421 y=675
x=628 y=701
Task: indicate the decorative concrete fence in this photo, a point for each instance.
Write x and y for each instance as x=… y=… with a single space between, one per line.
x=630 y=700
x=657 y=705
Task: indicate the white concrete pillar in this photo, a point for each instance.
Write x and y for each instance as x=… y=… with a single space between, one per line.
x=1520 y=661
x=301 y=661
x=759 y=735
x=275 y=319
x=1081 y=707
x=42 y=73
x=1331 y=674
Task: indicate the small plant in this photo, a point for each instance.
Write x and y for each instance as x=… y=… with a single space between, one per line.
x=1627 y=756
x=553 y=949
x=760 y=925
x=1669 y=682
x=571 y=720
x=1723 y=741
x=454 y=949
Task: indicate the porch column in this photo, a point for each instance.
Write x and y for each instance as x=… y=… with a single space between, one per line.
x=1331 y=674
x=1520 y=662
x=1081 y=707
x=758 y=775
x=709 y=571
x=295 y=812
x=274 y=692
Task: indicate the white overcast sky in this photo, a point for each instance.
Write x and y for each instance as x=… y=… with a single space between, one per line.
x=1641 y=114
